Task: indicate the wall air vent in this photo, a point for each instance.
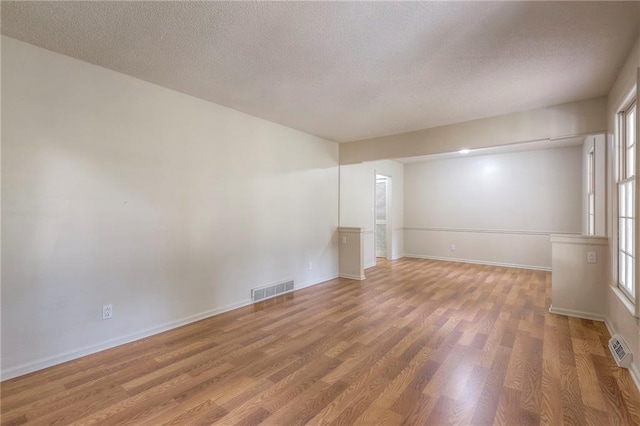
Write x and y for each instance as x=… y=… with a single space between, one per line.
x=271 y=290
x=620 y=351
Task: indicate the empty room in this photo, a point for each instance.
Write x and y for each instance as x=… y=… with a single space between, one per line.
x=281 y=213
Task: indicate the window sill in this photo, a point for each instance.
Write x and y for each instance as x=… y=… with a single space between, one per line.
x=625 y=301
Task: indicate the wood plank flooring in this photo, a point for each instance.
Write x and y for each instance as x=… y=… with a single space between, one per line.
x=418 y=342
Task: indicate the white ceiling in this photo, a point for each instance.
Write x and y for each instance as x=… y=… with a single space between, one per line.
x=348 y=70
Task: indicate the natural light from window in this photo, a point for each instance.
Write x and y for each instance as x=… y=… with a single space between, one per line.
x=626 y=139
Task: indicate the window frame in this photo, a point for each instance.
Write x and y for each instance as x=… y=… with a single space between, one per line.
x=625 y=183
x=591 y=202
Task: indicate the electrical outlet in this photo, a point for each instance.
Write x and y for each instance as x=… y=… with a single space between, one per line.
x=591 y=257
x=310 y=266
x=344 y=240
x=107 y=311
x=453 y=247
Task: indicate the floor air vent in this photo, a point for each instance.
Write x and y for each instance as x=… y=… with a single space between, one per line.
x=271 y=291
x=620 y=351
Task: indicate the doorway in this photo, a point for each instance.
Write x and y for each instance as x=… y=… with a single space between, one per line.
x=383 y=216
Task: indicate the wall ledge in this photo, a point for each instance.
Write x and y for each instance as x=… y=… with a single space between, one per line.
x=590 y=240
x=483 y=231
x=351 y=229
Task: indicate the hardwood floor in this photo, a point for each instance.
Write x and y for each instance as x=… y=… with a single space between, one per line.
x=418 y=342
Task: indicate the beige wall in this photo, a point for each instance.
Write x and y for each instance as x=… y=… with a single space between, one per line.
x=496 y=209
x=166 y=206
x=351 y=250
x=357 y=196
x=560 y=121
x=579 y=287
x=619 y=314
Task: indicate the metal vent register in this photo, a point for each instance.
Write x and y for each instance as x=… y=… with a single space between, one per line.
x=271 y=290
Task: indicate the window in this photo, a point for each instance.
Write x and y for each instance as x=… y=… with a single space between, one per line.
x=626 y=139
x=591 y=201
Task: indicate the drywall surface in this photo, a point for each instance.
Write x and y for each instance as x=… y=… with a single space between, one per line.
x=620 y=312
x=496 y=209
x=578 y=285
x=351 y=263
x=357 y=203
x=559 y=121
x=623 y=85
x=171 y=208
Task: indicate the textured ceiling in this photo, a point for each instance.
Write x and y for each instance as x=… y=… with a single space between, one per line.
x=348 y=71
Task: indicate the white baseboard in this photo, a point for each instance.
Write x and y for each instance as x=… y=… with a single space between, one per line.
x=480 y=262
x=316 y=282
x=353 y=277
x=40 y=364
x=609 y=326
x=578 y=314
x=633 y=370
x=635 y=375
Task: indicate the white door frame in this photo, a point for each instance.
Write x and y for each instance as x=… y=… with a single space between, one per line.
x=389 y=215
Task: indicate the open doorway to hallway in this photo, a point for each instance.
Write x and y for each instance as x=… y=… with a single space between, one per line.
x=383 y=220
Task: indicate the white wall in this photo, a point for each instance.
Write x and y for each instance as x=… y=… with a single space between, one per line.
x=495 y=209
x=578 y=287
x=619 y=312
x=169 y=207
x=553 y=122
x=357 y=202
